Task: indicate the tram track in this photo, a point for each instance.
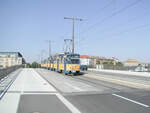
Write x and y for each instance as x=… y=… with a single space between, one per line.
x=103 y=83
x=103 y=87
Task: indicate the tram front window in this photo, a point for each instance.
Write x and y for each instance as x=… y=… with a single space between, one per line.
x=75 y=61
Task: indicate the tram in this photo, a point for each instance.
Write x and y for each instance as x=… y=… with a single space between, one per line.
x=68 y=63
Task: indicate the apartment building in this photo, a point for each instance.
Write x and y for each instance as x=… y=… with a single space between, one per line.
x=8 y=59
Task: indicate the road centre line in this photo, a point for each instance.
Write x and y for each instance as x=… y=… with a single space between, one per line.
x=130 y=100
x=71 y=107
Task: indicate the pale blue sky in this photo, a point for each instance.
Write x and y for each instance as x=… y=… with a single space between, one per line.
x=25 y=25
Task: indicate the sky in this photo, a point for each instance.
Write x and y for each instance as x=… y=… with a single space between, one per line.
x=110 y=28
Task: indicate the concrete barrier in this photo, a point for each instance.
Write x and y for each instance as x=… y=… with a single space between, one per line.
x=144 y=74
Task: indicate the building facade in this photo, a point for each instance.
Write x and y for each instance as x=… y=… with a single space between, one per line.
x=85 y=60
x=131 y=62
x=98 y=60
x=8 y=59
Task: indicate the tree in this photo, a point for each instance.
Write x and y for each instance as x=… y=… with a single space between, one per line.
x=111 y=63
x=35 y=65
x=28 y=65
x=105 y=62
x=119 y=64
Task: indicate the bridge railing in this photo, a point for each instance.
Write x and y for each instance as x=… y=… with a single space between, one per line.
x=6 y=79
x=5 y=71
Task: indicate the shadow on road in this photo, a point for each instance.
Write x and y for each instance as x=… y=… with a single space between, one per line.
x=81 y=73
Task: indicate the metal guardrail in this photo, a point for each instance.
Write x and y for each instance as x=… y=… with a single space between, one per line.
x=4 y=72
x=6 y=80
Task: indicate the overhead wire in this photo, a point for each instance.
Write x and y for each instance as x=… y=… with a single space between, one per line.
x=110 y=16
x=122 y=24
x=128 y=30
x=101 y=9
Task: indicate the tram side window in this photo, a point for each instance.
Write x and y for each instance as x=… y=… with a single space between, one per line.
x=68 y=61
x=75 y=61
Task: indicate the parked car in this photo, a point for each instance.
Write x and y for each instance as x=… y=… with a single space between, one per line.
x=84 y=67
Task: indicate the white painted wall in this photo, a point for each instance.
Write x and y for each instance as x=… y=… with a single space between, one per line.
x=85 y=61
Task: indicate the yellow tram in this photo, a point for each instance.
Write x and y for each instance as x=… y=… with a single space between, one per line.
x=64 y=62
x=67 y=63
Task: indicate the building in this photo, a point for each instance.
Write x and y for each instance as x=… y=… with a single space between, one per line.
x=115 y=60
x=99 y=60
x=131 y=62
x=8 y=59
x=94 y=61
x=85 y=60
x=145 y=64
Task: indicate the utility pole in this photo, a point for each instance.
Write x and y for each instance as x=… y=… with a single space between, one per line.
x=42 y=58
x=38 y=58
x=67 y=45
x=73 y=19
x=49 y=48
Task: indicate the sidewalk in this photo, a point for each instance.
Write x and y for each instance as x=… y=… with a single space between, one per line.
x=28 y=81
x=143 y=74
x=132 y=79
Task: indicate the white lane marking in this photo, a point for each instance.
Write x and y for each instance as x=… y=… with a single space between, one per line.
x=131 y=100
x=51 y=93
x=71 y=107
x=22 y=86
x=43 y=81
x=77 y=88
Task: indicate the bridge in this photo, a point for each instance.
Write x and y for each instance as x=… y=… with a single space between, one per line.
x=28 y=90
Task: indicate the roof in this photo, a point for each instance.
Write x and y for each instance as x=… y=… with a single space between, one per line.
x=84 y=56
x=19 y=54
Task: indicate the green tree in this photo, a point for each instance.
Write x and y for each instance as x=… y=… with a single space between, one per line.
x=28 y=65
x=105 y=62
x=119 y=64
x=111 y=63
x=35 y=65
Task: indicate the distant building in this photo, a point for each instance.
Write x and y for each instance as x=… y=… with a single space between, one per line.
x=85 y=60
x=94 y=60
x=99 y=60
x=145 y=64
x=131 y=62
x=115 y=60
x=8 y=59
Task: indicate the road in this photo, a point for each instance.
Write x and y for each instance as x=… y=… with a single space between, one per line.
x=44 y=91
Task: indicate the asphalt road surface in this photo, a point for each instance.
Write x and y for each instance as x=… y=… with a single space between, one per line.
x=95 y=96
x=45 y=91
